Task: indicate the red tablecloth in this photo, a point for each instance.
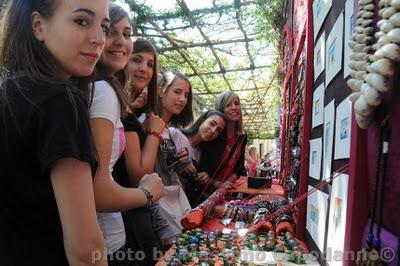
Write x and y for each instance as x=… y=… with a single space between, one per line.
x=241 y=186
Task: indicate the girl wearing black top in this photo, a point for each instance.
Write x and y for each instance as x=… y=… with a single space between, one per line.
x=47 y=210
x=145 y=231
x=141 y=150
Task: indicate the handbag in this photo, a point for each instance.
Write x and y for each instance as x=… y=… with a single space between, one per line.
x=174 y=206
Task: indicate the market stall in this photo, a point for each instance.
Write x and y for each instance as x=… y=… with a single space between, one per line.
x=227 y=230
x=349 y=102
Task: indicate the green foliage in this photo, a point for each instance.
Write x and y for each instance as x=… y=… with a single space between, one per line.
x=270 y=20
x=262 y=21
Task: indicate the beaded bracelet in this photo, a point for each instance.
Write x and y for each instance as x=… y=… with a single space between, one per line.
x=148 y=195
x=155 y=134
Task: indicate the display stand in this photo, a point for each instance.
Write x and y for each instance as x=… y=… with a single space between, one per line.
x=230 y=229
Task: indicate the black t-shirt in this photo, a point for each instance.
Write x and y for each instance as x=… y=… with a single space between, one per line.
x=131 y=124
x=47 y=129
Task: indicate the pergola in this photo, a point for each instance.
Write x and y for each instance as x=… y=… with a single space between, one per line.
x=219 y=47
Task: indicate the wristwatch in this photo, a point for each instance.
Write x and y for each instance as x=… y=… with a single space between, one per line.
x=148 y=196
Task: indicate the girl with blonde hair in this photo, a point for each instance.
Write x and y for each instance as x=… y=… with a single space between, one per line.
x=224 y=162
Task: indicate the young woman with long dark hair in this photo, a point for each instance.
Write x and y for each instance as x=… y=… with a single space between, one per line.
x=207 y=127
x=48 y=50
x=224 y=162
x=144 y=232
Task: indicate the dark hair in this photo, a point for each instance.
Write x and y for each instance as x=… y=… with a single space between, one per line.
x=21 y=53
x=118 y=82
x=139 y=46
x=191 y=131
x=186 y=116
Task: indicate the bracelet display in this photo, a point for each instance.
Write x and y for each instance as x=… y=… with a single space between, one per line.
x=148 y=196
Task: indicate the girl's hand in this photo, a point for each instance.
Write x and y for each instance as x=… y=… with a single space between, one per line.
x=190 y=169
x=183 y=155
x=153 y=183
x=203 y=178
x=155 y=123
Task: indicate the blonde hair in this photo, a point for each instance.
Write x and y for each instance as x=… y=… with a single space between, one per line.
x=252 y=149
x=223 y=99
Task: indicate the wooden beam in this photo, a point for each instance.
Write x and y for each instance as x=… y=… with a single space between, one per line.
x=239 y=90
x=174 y=15
x=184 y=56
x=193 y=21
x=205 y=44
x=226 y=71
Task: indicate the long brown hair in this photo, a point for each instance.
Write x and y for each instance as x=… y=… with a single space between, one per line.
x=139 y=46
x=20 y=51
x=22 y=54
x=118 y=82
x=186 y=116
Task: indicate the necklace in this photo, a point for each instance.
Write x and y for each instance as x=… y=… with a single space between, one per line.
x=373 y=242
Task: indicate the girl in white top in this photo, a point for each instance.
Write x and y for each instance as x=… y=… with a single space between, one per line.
x=175 y=108
x=108 y=135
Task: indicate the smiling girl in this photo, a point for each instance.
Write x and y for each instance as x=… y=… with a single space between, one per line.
x=108 y=134
x=207 y=127
x=175 y=108
x=224 y=162
x=140 y=153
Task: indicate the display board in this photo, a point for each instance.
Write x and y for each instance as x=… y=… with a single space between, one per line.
x=331 y=25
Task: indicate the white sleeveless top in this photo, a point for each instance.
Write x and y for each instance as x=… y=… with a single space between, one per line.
x=105 y=105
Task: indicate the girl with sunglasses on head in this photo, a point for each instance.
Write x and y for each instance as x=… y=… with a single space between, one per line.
x=47 y=207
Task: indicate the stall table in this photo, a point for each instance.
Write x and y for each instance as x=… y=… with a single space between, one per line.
x=242 y=187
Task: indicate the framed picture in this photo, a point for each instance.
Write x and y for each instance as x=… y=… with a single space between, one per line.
x=320 y=11
x=315 y=158
x=318 y=105
x=343 y=130
x=334 y=46
x=317 y=210
x=337 y=216
x=349 y=23
x=319 y=56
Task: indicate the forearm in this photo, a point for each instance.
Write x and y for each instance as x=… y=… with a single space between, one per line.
x=147 y=160
x=111 y=197
x=97 y=257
